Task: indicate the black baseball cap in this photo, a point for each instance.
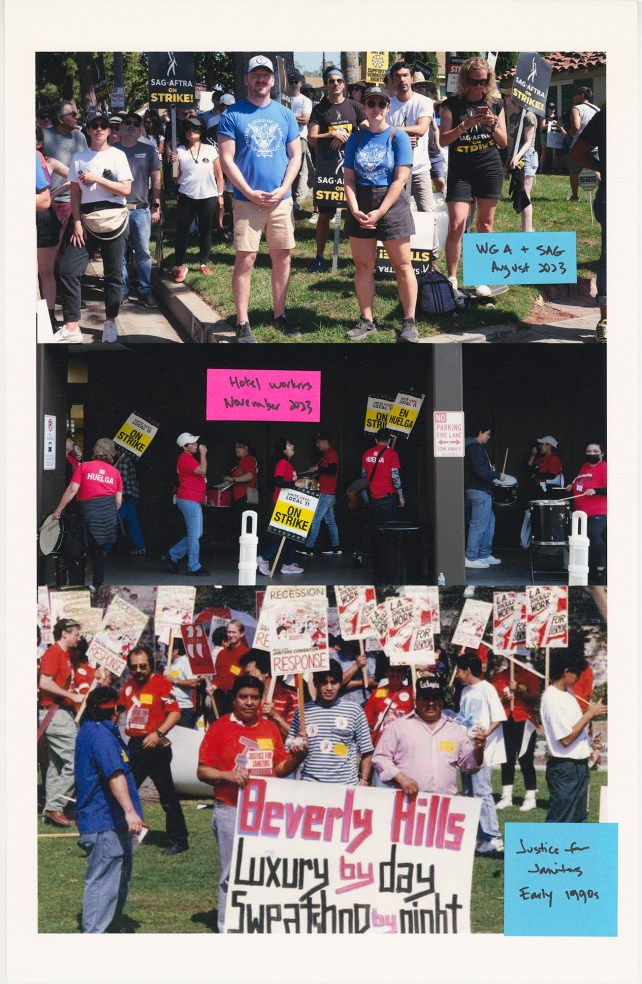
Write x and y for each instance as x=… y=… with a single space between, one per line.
x=429 y=688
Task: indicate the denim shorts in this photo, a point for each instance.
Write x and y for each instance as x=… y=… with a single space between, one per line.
x=531 y=161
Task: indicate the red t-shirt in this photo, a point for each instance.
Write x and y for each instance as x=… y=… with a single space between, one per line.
x=96 y=479
x=190 y=486
x=227 y=666
x=147 y=707
x=590 y=477
x=547 y=463
x=285 y=701
x=244 y=465
x=583 y=688
x=82 y=678
x=73 y=461
x=382 y=484
x=401 y=702
x=284 y=470
x=522 y=710
x=56 y=664
x=228 y=743
x=328 y=483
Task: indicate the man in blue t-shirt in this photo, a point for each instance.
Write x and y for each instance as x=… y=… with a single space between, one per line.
x=260 y=150
x=108 y=810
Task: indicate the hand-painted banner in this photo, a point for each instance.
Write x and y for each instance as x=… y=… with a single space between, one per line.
x=325 y=858
x=520 y=258
x=263 y=394
x=351 y=600
x=174 y=607
x=77 y=605
x=272 y=596
x=197 y=648
x=547 y=616
x=45 y=623
x=299 y=633
x=293 y=514
x=472 y=623
x=100 y=655
x=377 y=413
x=122 y=628
x=507 y=607
x=136 y=434
x=410 y=624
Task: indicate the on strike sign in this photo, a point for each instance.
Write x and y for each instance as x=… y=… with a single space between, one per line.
x=293 y=514
x=448 y=433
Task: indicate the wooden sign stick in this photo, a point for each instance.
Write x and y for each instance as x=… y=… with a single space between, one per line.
x=512 y=680
x=84 y=703
x=170 y=651
x=270 y=693
x=300 y=694
x=452 y=678
x=364 y=669
x=276 y=559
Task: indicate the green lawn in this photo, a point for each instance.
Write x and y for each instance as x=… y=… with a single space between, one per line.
x=324 y=306
x=188 y=905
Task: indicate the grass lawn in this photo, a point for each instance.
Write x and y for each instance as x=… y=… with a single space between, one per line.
x=189 y=906
x=324 y=306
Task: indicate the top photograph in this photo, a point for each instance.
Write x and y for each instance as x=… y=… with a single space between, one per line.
x=327 y=196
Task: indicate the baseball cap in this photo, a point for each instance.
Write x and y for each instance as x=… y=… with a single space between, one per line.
x=194 y=122
x=186 y=438
x=375 y=90
x=430 y=688
x=96 y=114
x=547 y=440
x=227 y=99
x=259 y=61
x=294 y=75
x=115 y=118
x=323 y=436
x=65 y=625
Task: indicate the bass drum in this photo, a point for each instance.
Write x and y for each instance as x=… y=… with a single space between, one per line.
x=219 y=498
x=51 y=535
x=505 y=491
x=310 y=485
x=550 y=522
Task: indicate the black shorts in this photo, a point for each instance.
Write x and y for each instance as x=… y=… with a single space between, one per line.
x=397 y=223
x=468 y=180
x=48 y=228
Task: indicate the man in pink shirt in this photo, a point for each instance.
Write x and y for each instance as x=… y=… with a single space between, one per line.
x=422 y=751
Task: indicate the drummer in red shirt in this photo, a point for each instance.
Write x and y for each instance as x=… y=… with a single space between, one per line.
x=546 y=465
x=189 y=499
x=590 y=487
x=242 y=476
x=239 y=746
x=151 y=711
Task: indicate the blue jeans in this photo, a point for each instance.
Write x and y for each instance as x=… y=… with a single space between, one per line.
x=482 y=524
x=140 y=231
x=223 y=825
x=479 y=784
x=287 y=554
x=324 y=510
x=128 y=513
x=109 y=868
x=189 y=545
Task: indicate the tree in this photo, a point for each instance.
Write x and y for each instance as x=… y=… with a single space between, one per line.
x=350 y=65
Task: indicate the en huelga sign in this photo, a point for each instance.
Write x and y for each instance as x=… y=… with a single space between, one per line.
x=326 y=858
x=171 y=78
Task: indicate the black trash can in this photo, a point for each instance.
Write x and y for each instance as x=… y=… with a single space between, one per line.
x=396 y=554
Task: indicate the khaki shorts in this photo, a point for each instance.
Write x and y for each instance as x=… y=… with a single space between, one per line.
x=250 y=221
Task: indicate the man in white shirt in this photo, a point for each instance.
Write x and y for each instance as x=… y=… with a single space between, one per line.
x=301 y=106
x=482 y=711
x=569 y=745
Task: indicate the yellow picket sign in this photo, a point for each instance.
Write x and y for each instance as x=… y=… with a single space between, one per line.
x=404 y=412
x=293 y=514
x=377 y=414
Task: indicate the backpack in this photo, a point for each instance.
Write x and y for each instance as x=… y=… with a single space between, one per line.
x=437 y=295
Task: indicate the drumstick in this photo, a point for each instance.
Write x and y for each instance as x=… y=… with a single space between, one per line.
x=505 y=460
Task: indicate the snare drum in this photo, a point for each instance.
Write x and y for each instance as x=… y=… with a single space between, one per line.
x=505 y=491
x=50 y=535
x=219 y=498
x=310 y=485
x=550 y=522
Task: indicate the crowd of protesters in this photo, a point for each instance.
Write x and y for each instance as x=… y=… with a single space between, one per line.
x=413 y=730
x=244 y=169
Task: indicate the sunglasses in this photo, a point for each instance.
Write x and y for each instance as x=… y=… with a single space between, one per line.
x=473 y=83
x=335 y=81
x=98 y=126
x=72 y=113
x=376 y=104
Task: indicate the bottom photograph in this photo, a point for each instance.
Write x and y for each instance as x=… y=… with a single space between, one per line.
x=303 y=759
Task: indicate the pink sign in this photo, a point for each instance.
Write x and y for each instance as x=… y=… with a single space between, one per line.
x=263 y=394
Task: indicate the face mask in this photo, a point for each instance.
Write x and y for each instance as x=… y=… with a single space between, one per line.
x=593 y=458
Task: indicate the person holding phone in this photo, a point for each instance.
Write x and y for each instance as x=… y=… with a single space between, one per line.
x=473 y=126
x=189 y=499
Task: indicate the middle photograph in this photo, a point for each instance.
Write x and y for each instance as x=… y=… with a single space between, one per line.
x=321 y=465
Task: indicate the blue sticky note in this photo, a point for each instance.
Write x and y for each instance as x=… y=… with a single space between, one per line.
x=560 y=879
x=496 y=258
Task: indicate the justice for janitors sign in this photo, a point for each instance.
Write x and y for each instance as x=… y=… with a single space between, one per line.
x=326 y=858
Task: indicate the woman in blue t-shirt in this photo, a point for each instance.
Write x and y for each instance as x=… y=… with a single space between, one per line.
x=376 y=167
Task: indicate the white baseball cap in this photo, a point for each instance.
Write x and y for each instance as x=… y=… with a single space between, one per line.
x=547 y=440
x=227 y=99
x=259 y=61
x=186 y=438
